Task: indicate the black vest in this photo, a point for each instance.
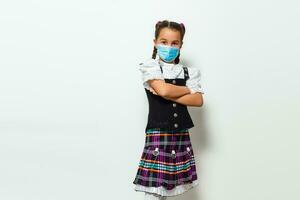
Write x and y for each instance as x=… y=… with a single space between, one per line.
x=168 y=114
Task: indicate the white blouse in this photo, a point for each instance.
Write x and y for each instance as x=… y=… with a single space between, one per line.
x=150 y=69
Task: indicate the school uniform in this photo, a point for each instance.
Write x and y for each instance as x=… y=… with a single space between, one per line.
x=167 y=164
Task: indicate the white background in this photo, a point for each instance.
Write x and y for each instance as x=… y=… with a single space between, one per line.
x=73 y=109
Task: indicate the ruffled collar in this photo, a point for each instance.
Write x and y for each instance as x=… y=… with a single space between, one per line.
x=171 y=66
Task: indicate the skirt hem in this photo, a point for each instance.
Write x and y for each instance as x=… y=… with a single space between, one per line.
x=180 y=189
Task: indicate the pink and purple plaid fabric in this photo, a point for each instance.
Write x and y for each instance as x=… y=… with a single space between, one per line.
x=167 y=159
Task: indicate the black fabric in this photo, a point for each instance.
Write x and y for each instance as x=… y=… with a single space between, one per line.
x=161 y=111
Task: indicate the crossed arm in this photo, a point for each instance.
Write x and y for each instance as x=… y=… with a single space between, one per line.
x=179 y=94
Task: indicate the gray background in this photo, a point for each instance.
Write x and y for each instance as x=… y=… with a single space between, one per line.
x=73 y=109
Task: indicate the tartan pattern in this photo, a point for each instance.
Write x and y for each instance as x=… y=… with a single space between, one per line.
x=164 y=169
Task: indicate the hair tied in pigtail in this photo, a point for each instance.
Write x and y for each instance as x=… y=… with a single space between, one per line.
x=157 y=24
x=182 y=25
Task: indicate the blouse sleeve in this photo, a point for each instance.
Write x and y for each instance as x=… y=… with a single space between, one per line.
x=194 y=82
x=150 y=70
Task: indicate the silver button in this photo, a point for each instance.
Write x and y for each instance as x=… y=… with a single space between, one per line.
x=173 y=154
x=173 y=81
x=175 y=115
x=175 y=125
x=174 y=104
x=188 y=150
x=155 y=152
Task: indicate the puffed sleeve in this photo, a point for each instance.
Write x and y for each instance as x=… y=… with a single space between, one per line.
x=150 y=69
x=194 y=82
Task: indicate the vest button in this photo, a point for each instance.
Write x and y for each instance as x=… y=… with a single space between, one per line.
x=173 y=81
x=175 y=115
x=174 y=104
x=175 y=125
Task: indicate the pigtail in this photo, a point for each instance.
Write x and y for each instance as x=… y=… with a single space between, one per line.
x=157 y=24
x=154 y=52
x=177 y=59
x=183 y=29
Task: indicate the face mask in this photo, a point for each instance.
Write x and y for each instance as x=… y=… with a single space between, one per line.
x=167 y=53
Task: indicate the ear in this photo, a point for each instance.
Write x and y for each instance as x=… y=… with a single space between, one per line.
x=181 y=45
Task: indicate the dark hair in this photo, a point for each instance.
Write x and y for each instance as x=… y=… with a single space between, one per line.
x=172 y=25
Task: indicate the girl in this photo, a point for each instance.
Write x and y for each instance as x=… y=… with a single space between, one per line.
x=167 y=164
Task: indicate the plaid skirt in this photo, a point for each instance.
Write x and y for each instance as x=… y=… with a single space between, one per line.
x=167 y=164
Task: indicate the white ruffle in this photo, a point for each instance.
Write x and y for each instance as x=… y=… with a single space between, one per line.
x=150 y=69
x=194 y=82
x=164 y=192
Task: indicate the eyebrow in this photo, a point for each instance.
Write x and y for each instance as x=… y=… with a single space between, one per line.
x=172 y=41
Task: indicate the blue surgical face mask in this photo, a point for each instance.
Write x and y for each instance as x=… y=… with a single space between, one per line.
x=167 y=53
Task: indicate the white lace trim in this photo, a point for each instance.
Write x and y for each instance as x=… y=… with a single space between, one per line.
x=164 y=192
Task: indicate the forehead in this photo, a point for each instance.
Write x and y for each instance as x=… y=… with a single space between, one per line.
x=169 y=34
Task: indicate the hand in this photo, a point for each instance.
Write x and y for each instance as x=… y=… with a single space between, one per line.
x=153 y=91
x=192 y=91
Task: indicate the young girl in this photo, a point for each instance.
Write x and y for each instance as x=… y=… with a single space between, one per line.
x=167 y=164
